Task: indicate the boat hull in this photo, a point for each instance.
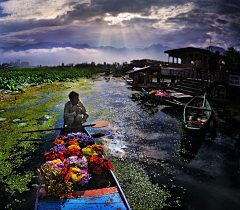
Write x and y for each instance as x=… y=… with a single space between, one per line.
x=162 y=100
x=107 y=198
x=197 y=117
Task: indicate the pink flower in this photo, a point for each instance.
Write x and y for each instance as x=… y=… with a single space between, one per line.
x=41 y=192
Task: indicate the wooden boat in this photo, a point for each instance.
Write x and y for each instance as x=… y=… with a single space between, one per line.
x=160 y=96
x=94 y=196
x=197 y=113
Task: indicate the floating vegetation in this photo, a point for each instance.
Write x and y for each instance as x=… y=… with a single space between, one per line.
x=15 y=79
x=137 y=187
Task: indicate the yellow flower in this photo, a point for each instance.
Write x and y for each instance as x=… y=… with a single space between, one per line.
x=89 y=151
x=75 y=146
x=74 y=176
x=56 y=161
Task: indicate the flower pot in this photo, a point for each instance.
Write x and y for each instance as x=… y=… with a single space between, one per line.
x=104 y=184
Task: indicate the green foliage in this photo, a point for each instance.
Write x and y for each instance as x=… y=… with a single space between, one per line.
x=18 y=157
x=232 y=57
x=118 y=75
x=12 y=79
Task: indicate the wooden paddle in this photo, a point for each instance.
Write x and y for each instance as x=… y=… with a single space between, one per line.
x=204 y=100
x=95 y=135
x=96 y=124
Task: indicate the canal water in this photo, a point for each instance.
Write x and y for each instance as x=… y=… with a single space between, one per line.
x=201 y=168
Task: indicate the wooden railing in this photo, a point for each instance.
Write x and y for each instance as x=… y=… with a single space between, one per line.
x=185 y=73
x=216 y=76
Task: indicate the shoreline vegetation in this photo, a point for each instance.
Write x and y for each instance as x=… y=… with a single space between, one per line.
x=21 y=109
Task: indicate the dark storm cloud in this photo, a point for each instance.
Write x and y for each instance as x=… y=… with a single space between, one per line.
x=125 y=23
x=221 y=21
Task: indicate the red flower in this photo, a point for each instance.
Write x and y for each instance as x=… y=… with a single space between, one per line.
x=53 y=155
x=72 y=142
x=98 y=165
x=72 y=152
x=57 y=141
x=66 y=172
x=98 y=149
x=107 y=164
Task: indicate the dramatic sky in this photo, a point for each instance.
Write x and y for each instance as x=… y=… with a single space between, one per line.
x=117 y=23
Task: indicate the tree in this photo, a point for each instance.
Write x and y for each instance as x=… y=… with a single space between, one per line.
x=232 y=58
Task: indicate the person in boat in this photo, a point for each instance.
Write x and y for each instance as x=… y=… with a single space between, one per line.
x=75 y=113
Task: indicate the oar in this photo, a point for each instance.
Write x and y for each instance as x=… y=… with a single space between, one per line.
x=95 y=135
x=96 y=124
x=204 y=100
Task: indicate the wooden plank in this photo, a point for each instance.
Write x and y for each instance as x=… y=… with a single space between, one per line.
x=88 y=193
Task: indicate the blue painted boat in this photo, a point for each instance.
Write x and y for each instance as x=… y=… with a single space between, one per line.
x=96 y=197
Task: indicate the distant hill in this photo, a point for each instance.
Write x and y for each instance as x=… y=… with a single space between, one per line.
x=102 y=53
x=43 y=45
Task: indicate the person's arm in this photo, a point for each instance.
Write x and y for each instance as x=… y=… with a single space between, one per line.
x=67 y=112
x=83 y=111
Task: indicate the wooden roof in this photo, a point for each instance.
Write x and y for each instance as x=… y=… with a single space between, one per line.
x=138 y=69
x=178 y=52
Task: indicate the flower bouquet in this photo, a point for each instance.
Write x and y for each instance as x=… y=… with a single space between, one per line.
x=69 y=166
x=53 y=155
x=56 y=182
x=94 y=150
x=98 y=165
x=82 y=138
x=72 y=152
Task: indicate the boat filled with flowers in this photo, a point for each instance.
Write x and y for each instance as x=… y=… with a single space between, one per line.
x=160 y=96
x=76 y=175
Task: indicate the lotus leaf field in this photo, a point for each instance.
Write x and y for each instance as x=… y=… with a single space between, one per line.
x=16 y=79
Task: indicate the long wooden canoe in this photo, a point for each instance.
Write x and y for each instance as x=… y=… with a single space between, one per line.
x=92 y=197
x=160 y=96
x=197 y=113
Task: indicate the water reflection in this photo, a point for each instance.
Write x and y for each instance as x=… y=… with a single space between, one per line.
x=148 y=106
x=154 y=135
x=190 y=144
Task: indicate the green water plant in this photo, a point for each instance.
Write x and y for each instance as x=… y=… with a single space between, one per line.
x=13 y=79
x=137 y=187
